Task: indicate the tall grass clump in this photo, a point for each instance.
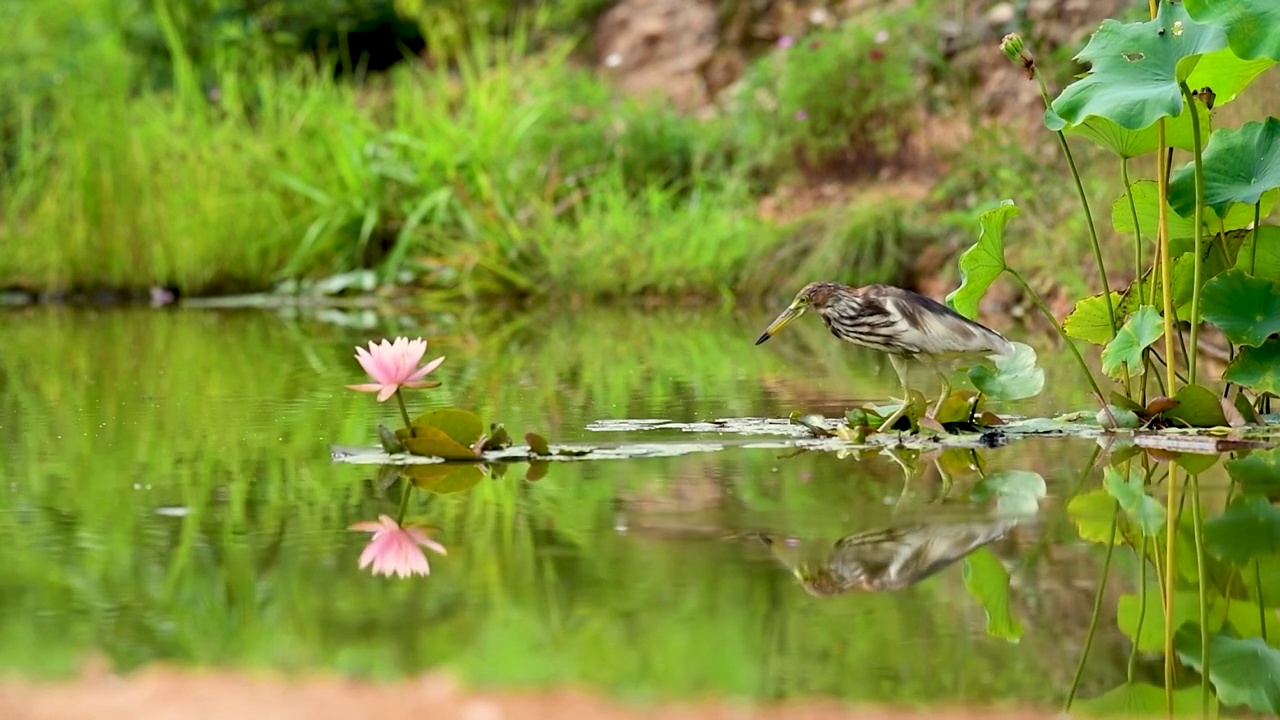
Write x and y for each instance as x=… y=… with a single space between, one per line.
x=842 y=98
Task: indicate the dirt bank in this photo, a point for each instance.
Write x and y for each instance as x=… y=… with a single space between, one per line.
x=169 y=694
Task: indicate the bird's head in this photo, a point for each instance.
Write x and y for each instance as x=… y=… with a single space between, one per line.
x=816 y=296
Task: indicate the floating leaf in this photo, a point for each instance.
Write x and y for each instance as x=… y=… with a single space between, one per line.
x=1140 y=508
x=1186 y=609
x=1249 y=528
x=1017 y=492
x=1136 y=69
x=537 y=470
x=498 y=437
x=982 y=263
x=1091 y=322
x=1257 y=368
x=433 y=442
x=444 y=478
x=1198 y=406
x=1257 y=471
x=1253 y=26
x=463 y=427
x=1139 y=699
x=1239 y=166
x=1246 y=309
x=537 y=444
x=1243 y=671
x=1118 y=418
x=988 y=582
x=1092 y=512
x=958 y=407
x=1124 y=354
x=390 y=443
x=1015 y=377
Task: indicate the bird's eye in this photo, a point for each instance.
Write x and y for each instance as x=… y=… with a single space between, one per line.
x=804 y=301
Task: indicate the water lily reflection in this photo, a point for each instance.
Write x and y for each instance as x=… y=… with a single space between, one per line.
x=396 y=550
x=885 y=559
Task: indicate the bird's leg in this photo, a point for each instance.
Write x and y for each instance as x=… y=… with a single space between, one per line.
x=900 y=367
x=946 y=392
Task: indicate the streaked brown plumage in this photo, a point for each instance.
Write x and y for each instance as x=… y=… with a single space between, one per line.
x=888 y=559
x=899 y=322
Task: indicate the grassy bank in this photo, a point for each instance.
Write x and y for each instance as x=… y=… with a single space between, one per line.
x=212 y=165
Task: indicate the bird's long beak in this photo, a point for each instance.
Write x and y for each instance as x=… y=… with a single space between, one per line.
x=791 y=313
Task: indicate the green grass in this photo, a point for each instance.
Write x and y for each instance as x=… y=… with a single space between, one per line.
x=509 y=171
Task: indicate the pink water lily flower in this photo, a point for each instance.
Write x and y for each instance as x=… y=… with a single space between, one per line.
x=395 y=550
x=394 y=365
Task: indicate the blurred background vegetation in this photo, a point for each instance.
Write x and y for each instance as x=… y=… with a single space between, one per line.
x=586 y=147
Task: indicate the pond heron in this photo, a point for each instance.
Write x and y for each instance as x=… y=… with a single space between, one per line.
x=901 y=323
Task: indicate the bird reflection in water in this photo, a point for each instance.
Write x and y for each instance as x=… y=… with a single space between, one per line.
x=885 y=559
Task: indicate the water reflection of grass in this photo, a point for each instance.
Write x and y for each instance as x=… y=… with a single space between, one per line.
x=109 y=417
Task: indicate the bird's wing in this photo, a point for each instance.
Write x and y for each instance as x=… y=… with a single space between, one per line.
x=935 y=329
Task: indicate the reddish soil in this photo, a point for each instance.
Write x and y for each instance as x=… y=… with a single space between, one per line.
x=170 y=694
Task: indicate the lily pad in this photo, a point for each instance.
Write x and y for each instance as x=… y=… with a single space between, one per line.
x=1244 y=671
x=461 y=426
x=433 y=442
x=1239 y=166
x=444 y=478
x=1014 y=378
x=1017 y=492
x=1246 y=309
x=537 y=444
x=1257 y=368
x=1136 y=69
x=1257 y=471
x=1139 y=699
x=988 y=582
x=1139 y=508
x=982 y=263
x=1248 y=529
x=1252 y=26
x=1091 y=512
x=1091 y=322
x=1124 y=354
x=1198 y=406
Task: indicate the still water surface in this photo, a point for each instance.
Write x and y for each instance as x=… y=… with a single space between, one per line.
x=168 y=495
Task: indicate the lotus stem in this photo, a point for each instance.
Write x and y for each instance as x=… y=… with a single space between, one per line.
x=1166 y=273
x=1262 y=607
x=1097 y=611
x=404 y=502
x=1084 y=203
x=1257 y=222
x=1198 y=260
x=404 y=412
x=1137 y=231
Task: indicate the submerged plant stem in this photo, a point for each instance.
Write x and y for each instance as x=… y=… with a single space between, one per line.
x=404 y=502
x=1142 y=608
x=1197 y=526
x=1097 y=611
x=1198 y=260
x=1171 y=538
x=1044 y=309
